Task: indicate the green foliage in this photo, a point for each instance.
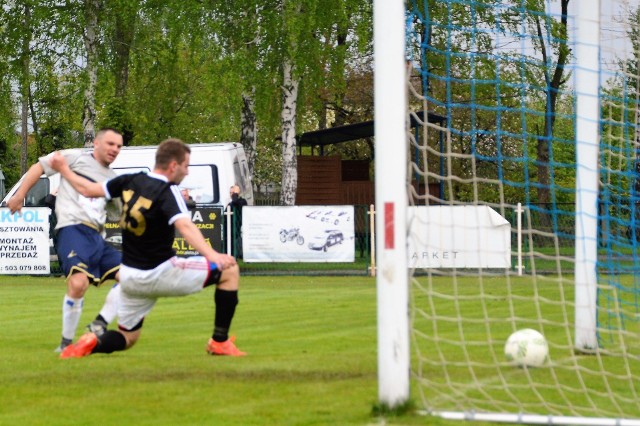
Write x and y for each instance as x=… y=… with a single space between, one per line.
x=269 y=154
x=495 y=102
x=178 y=68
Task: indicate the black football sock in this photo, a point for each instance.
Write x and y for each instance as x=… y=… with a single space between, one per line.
x=226 y=302
x=110 y=341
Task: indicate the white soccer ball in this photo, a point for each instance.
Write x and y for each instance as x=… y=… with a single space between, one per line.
x=527 y=348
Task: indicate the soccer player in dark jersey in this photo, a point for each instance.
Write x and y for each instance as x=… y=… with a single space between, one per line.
x=85 y=257
x=153 y=209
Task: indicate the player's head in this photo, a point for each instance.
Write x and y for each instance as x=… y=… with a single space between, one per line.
x=107 y=145
x=234 y=192
x=172 y=159
x=185 y=193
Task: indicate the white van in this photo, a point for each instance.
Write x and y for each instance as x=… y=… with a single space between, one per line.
x=213 y=169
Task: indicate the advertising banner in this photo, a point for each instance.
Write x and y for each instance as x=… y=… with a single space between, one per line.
x=298 y=234
x=207 y=219
x=24 y=241
x=458 y=237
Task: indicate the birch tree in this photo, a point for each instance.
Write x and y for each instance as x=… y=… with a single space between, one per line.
x=25 y=62
x=90 y=37
x=249 y=130
x=289 y=182
x=296 y=47
x=314 y=38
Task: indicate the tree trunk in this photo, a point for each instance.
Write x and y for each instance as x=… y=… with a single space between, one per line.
x=25 y=82
x=289 y=161
x=24 y=134
x=34 y=118
x=553 y=83
x=91 y=45
x=249 y=134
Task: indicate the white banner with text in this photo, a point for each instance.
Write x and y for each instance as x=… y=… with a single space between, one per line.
x=24 y=241
x=458 y=237
x=298 y=234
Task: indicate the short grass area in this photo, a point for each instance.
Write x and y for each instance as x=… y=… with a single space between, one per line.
x=460 y=326
x=312 y=359
x=312 y=345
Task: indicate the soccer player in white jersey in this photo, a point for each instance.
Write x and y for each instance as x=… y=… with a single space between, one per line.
x=153 y=209
x=85 y=257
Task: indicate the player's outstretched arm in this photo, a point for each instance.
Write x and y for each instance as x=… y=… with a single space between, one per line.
x=194 y=237
x=30 y=179
x=84 y=186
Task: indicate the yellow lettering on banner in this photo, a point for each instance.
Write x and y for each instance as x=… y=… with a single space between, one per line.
x=205 y=225
x=180 y=245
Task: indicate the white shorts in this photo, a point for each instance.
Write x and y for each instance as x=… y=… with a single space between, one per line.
x=141 y=288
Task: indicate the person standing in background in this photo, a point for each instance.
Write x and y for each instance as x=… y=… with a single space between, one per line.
x=235 y=205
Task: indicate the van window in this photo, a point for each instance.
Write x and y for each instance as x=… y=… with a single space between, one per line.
x=126 y=170
x=240 y=173
x=237 y=175
x=202 y=183
x=36 y=195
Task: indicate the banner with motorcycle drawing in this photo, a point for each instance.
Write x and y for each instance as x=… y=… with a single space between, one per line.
x=298 y=234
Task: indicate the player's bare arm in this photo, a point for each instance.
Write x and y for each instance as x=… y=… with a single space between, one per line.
x=30 y=179
x=194 y=237
x=84 y=186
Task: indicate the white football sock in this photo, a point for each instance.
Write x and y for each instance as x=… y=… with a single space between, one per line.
x=110 y=308
x=71 y=312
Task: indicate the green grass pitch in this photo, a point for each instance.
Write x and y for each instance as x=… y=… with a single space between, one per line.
x=312 y=359
x=311 y=345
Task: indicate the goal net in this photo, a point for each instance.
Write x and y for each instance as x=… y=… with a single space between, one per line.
x=523 y=208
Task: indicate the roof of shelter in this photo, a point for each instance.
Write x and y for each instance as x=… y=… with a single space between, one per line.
x=354 y=131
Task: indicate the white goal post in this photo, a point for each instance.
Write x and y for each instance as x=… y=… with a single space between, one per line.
x=390 y=99
x=587 y=139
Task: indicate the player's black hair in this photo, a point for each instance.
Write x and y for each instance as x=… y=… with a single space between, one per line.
x=104 y=130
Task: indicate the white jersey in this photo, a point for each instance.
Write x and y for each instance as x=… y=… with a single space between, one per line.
x=71 y=207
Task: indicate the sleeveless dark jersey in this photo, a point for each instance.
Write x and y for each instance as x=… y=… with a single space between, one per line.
x=151 y=207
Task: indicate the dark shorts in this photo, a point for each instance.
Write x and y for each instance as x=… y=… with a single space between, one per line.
x=82 y=249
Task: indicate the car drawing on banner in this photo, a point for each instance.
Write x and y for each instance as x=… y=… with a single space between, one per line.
x=316 y=214
x=326 y=240
x=335 y=217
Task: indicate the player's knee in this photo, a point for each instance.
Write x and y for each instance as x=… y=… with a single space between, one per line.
x=230 y=279
x=77 y=284
x=131 y=337
x=131 y=342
